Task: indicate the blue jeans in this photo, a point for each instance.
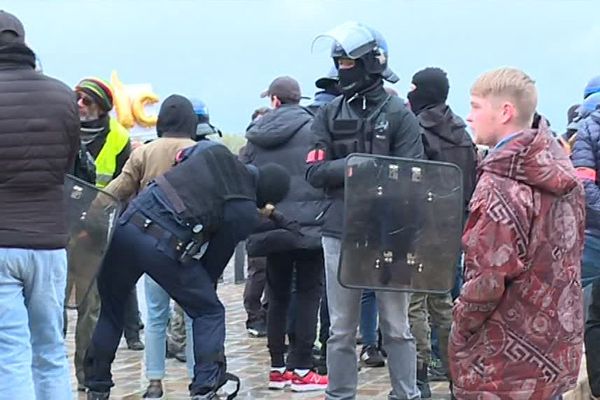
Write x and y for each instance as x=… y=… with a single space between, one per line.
x=33 y=360
x=590 y=263
x=158 y=303
x=368 y=318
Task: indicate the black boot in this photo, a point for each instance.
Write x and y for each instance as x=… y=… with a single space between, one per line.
x=423 y=382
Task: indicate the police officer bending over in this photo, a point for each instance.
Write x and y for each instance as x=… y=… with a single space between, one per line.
x=181 y=231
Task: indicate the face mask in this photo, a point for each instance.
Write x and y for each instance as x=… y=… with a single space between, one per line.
x=352 y=80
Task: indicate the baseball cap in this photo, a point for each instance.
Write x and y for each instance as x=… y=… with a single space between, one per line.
x=285 y=88
x=10 y=23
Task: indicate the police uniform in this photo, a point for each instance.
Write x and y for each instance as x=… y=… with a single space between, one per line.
x=181 y=231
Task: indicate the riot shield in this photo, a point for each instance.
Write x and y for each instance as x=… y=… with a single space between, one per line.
x=402 y=224
x=92 y=215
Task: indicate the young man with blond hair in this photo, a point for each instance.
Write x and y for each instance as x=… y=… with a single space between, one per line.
x=518 y=323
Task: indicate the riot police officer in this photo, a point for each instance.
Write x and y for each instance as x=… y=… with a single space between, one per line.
x=365 y=119
x=181 y=231
x=204 y=127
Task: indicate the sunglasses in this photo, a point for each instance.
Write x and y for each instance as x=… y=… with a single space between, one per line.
x=86 y=101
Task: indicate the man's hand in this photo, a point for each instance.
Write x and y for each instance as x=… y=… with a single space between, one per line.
x=267 y=210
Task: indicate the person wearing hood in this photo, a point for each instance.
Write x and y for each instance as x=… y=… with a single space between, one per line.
x=518 y=323
x=364 y=119
x=283 y=136
x=445 y=139
x=586 y=159
x=175 y=128
x=39 y=136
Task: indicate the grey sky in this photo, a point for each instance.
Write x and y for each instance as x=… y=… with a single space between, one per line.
x=226 y=52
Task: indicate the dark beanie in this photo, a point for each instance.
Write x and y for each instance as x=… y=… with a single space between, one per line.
x=273 y=184
x=431 y=88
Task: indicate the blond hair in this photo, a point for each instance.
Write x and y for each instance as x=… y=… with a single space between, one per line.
x=510 y=84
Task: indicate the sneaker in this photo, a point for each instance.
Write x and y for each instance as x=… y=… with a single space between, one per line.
x=257 y=329
x=310 y=381
x=154 y=390
x=277 y=380
x=371 y=357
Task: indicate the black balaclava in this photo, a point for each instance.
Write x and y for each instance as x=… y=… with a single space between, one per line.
x=176 y=118
x=273 y=184
x=431 y=89
x=354 y=80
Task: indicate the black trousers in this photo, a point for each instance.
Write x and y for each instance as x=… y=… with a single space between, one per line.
x=592 y=340
x=307 y=267
x=253 y=291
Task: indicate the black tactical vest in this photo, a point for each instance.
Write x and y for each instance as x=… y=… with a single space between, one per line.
x=207 y=176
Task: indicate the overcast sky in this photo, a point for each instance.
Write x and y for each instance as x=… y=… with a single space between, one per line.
x=226 y=52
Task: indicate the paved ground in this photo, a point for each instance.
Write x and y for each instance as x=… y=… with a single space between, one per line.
x=247 y=358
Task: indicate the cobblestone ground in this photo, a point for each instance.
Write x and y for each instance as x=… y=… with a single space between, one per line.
x=247 y=357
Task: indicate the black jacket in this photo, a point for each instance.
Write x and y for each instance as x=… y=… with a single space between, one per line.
x=39 y=135
x=400 y=137
x=446 y=139
x=283 y=136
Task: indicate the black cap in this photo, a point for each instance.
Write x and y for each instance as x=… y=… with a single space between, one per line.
x=10 y=23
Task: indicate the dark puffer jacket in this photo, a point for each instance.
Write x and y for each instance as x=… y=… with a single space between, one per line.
x=283 y=136
x=445 y=138
x=39 y=135
x=586 y=156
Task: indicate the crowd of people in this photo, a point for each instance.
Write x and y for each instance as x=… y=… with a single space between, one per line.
x=511 y=328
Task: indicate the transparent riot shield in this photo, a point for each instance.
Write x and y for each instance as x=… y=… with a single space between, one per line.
x=92 y=215
x=402 y=224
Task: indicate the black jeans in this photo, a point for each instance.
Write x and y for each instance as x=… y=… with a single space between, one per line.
x=592 y=340
x=307 y=265
x=253 y=291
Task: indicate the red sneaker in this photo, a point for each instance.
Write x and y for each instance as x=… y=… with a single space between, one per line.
x=310 y=381
x=277 y=380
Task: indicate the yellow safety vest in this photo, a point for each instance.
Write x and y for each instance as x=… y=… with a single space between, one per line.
x=106 y=162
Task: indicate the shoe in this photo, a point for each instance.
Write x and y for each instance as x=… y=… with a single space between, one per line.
x=98 y=395
x=135 y=345
x=371 y=357
x=257 y=329
x=278 y=380
x=208 y=396
x=437 y=372
x=423 y=382
x=310 y=381
x=154 y=390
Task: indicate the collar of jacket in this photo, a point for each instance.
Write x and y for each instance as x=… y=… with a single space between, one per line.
x=373 y=94
x=15 y=56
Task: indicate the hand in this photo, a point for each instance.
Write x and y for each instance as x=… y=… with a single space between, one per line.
x=267 y=210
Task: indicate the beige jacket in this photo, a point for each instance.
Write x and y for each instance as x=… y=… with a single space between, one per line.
x=146 y=163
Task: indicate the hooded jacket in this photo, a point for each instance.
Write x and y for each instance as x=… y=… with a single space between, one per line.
x=39 y=136
x=175 y=127
x=445 y=138
x=517 y=330
x=586 y=159
x=283 y=137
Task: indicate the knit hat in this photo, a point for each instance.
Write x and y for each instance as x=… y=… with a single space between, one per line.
x=99 y=90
